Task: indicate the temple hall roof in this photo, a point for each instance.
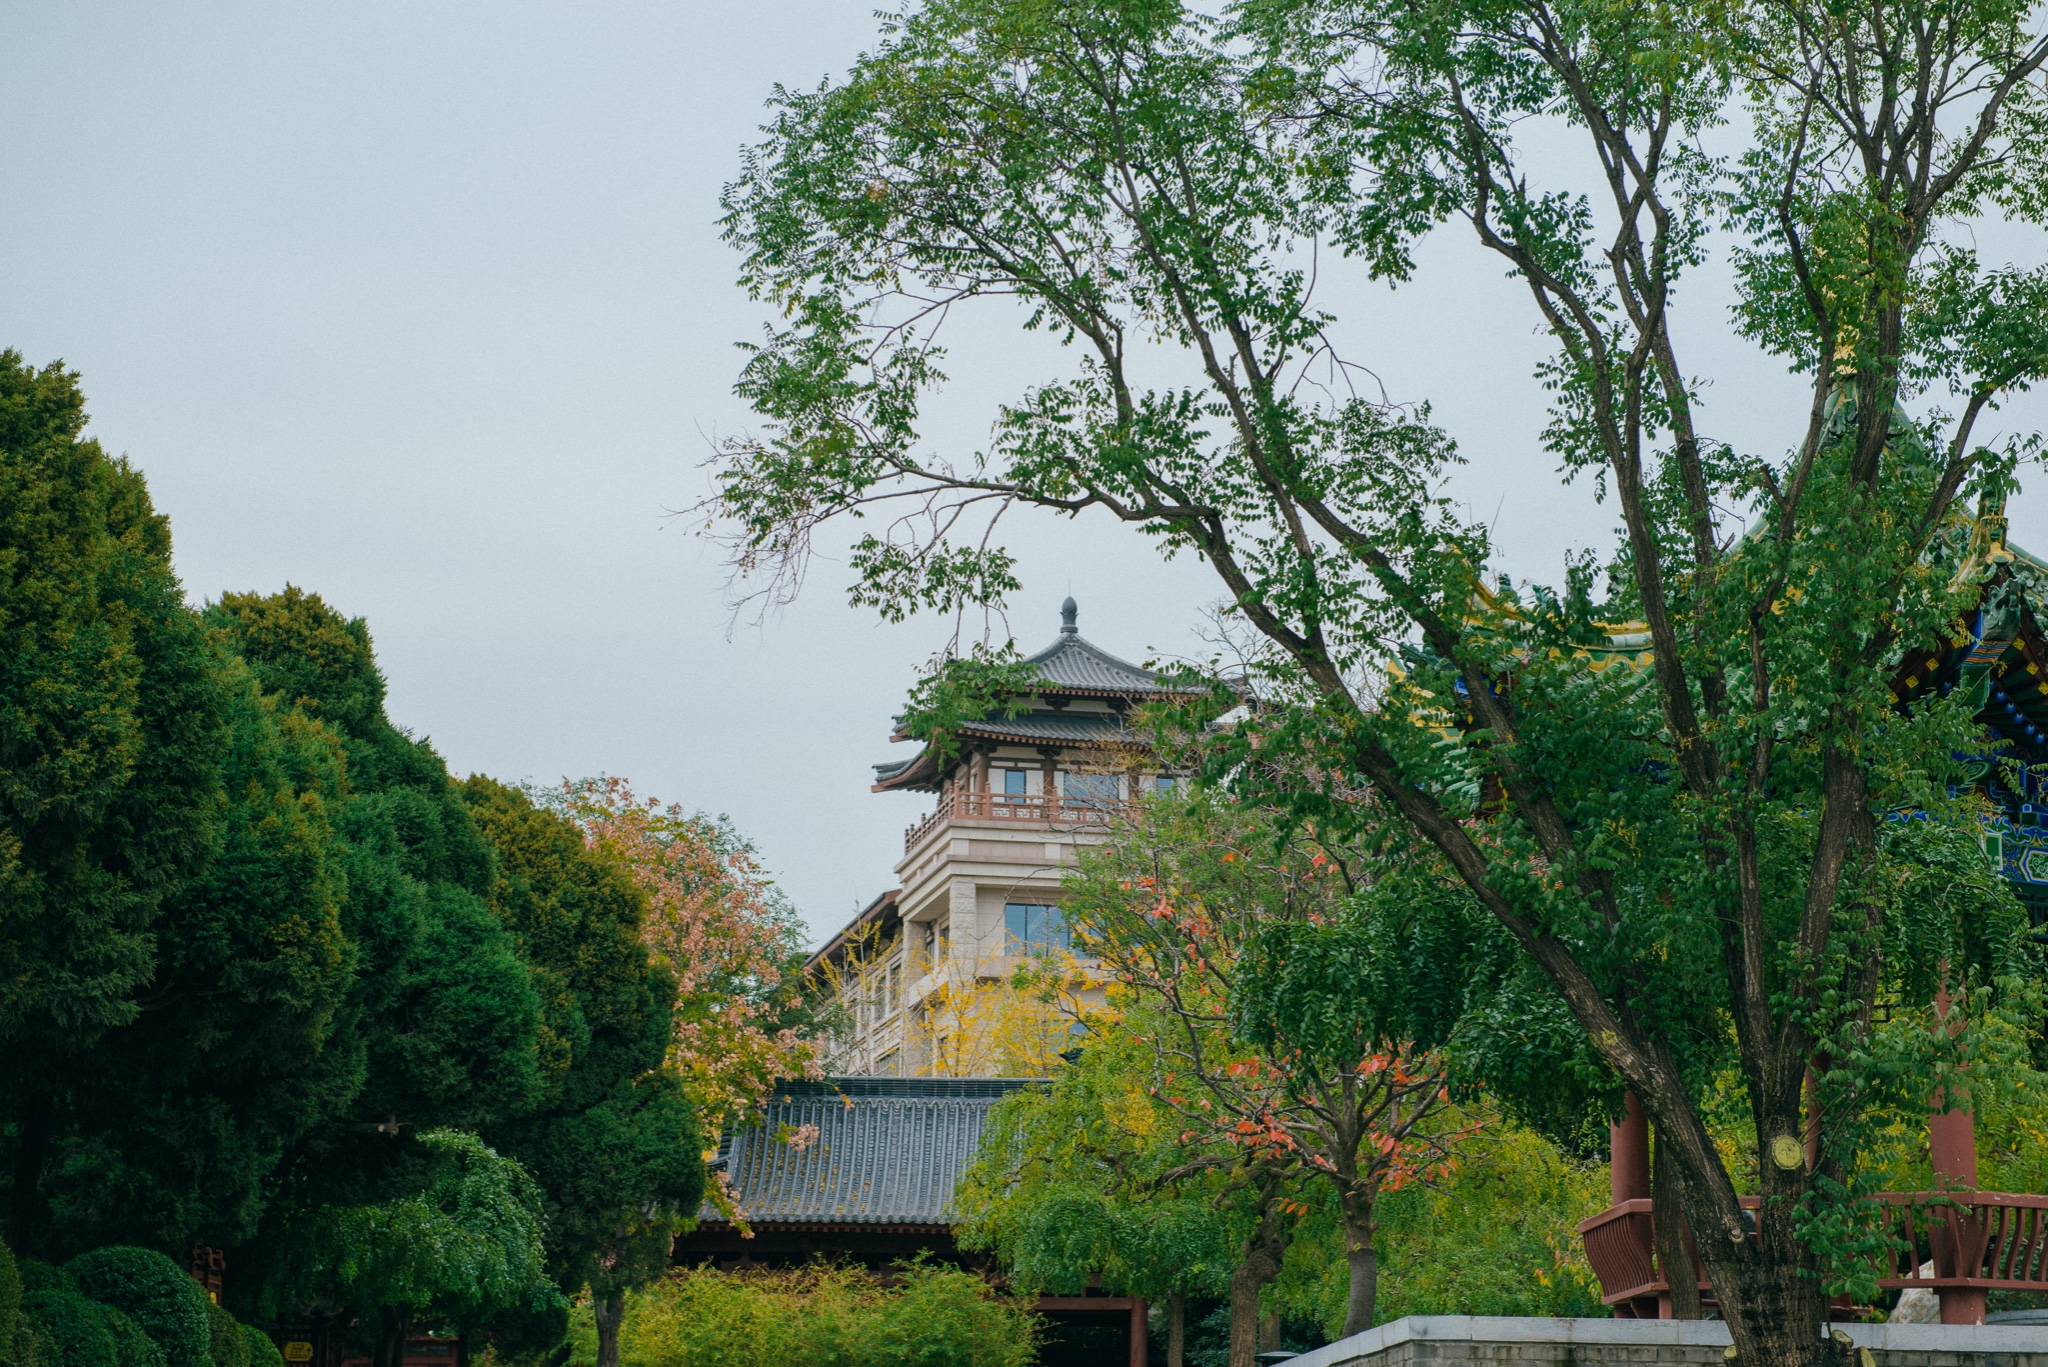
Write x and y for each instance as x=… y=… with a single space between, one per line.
x=1070 y=667
x=1072 y=664
x=888 y=1150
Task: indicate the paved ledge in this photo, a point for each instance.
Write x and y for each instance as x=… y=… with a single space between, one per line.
x=1473 y=1340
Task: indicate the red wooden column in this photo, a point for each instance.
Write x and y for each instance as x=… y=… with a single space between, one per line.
x=1952 y=1149
x=1628 y=1152
x=1138 y=1335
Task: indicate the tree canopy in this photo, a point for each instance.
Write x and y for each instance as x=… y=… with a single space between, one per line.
x=1668 y=776
x=272 y=981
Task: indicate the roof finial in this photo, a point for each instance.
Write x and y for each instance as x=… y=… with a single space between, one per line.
x=1069 y=610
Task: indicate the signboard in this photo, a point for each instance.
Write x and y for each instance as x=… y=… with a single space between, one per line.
x=298 y=1350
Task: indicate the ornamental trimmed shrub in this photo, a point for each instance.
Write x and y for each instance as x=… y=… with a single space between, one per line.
x=78 y=1328
x=132 y=1347
x=228 y=1345
x=262 y=1351
x=154 y=1292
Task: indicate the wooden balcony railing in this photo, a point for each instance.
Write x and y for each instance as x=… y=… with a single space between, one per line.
x=1035 y=809
x=1977 y=1241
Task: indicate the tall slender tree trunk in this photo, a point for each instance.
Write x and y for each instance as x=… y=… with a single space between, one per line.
x=609 y=1311
x=1255 y=1272
x=1356 y=1207
x=391 y=1331
x=1667 y=1218
x=1176 y=1329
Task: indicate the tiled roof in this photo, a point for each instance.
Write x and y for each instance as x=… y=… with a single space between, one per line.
x=1072 y=663
x=1086 y=728
x=888 y=1150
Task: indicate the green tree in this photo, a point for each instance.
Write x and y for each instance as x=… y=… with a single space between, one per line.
x=438 y=1032
x=614 y=1142
x=1298 y=993
x=1094 y=1176
x=176 y=1120
x=458 y=1233
x=110 y=722
x=1669 y=795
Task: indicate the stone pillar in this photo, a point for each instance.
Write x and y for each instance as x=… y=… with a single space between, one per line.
x=1952 y=1150
x=1628 y=1151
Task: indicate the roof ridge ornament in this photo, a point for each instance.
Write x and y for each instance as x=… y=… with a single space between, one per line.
x=1069 y=611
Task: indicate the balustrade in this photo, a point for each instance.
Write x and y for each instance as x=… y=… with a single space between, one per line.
x=1033 y=808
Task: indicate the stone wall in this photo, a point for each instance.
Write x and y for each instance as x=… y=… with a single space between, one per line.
x=1476 y=1341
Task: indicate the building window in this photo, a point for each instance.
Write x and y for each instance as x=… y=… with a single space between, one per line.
x=1033 y=928
x=945 y=941
x=1164 y=784
x=1015 y=784
x=1091 y=788
x=895 y=986
x=886 y=1065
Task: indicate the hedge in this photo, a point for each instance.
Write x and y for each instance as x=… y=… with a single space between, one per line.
x=154 y=1292
x=262 y=1352
x=229 y=1346
x=79 y=1328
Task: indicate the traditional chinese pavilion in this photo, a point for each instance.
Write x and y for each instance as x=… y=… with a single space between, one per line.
x=1963 y=1243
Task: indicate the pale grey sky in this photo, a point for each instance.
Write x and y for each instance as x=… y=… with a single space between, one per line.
x=422 y=306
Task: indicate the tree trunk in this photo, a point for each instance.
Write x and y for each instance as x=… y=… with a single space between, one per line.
x=391 y=1332
x=1176 y=1329
x=1257 y=1270
x=1269 y=1332
x=609 y=1311
x=1357 y=1212
x=1667 y=1213
x=1766 y=1287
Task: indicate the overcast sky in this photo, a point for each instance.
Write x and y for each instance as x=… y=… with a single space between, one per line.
x=422 y=306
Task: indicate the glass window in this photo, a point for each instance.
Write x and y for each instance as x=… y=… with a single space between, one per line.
x=1091 y=788
x=1033 y=928
x=895 y=986
x=1164 y=784
x=1016 y=782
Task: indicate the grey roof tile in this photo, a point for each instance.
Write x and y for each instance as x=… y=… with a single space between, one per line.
x=1071 y=662
x=889 y=1150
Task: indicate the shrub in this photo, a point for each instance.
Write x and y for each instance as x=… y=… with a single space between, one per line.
x=75 y=1327
x=821 y=1316
x=228 y=1345
x=132 y=1347
x=262 y=1352
x=154 y=1292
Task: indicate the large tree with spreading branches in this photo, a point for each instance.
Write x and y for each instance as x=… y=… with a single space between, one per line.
x=1690 y=842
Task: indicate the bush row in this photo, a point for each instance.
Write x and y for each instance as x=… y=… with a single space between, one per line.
x=118 y=1307
x=821 y=1316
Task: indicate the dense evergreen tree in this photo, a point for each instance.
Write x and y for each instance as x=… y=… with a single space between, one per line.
x=270 y=979
x=111 y=713
x=613 y=1143
x=442 y=1020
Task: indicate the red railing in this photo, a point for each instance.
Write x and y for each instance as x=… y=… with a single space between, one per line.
x=1034 y=808
x=1977 y=1240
